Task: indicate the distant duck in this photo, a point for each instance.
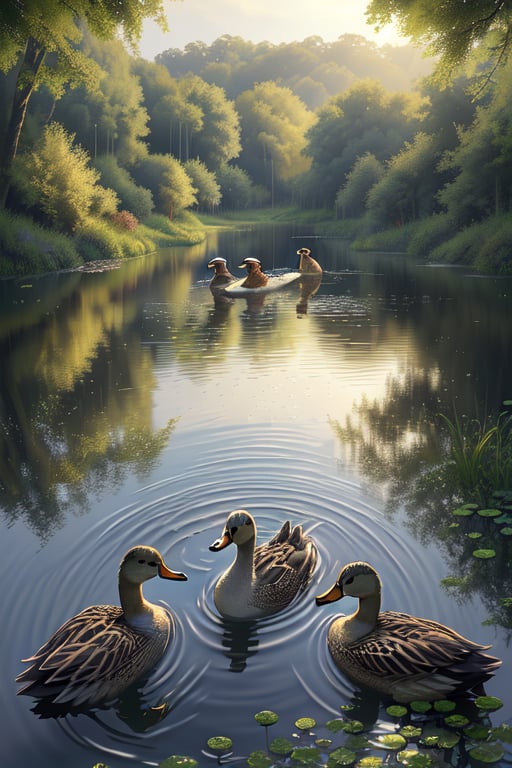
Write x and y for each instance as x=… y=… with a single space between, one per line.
x=262 y=579
x=100 y=652
x=397 y=654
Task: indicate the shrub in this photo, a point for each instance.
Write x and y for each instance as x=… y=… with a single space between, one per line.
x=133 y=197
x=125 y=220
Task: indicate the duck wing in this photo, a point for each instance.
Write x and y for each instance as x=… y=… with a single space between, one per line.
x=403 y=645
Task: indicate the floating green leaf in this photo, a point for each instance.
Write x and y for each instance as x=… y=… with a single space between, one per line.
x=335 y=725
x=220 y=743
x=410 y=732
x=357 y=742
x=487 y=753
x=305 y=723
x=476 y=732
x=396 y=710
x=430 y=741
x=266 y=717
x=341 y=756
x=391 y=741
x=444 y=705
x=346 y=707
x=353 y=726
x=474 y=535
x=463 y=512
x=178 y=761
x=447 y=739
x=370 y=762
x=489 y=703
x=502 y=519
x=306 y=755
x=506 y=531
x=281 y=746
x=503 y=732
x=456 y=721
x=323 y=743
x=259 y=759
x=413 y=758
x=420 y=706
x=484 y=554
x=489 y=512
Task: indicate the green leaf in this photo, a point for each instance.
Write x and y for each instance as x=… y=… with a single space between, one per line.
x=448 y=740
x=410 y=732
x=341 y=756
x=259 y=759
x=476 y=732
x=335 y=725
x=281 y=746
x=503 y=732
x=414 y=759
x=507 y=531
x=474 y=535
x=305 y=723
x=266 y=717
x=484 y=554
x=489 y=703
x=420 y=706
x=444 y=705
x=370 y=762
x=462 y=512
x=306 y=755
x=487 y=753
x=178 y=761
x=396 y=710
x=456 y=721
x=353 y=726
x=391 y=741
x=220 y=743
x=489 y=512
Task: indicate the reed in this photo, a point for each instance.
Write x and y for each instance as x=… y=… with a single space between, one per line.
x=481 y=453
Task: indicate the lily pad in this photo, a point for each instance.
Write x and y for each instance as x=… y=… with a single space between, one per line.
x=357 y=742
x=259 y=759
x=444 y=705
x=323 y=743
x=489 y=512
x=507 y=531
x=306 y=755
x=370 y=762
x=484 y=554
x=396 y=710
x=477 y=732
x=456 y=721
x=447 y=740
x=410 y=732
x=341 y=756
x=487 y=753
x=266 y=717
x=391 y=741
x=220 y=743
x=281 y=746
x=503 y=732
x=474 y=535
x=421 y=706
x=305 y=723
x=353 y=726
x=335 y=725
x=178 y=761
x=463 y=512
x=413 y=758
x=489 y=703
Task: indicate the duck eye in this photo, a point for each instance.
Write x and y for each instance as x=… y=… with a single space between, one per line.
x=141 y=562
x=152 y=564
x=350 y=580
x=234 y=529
x=248 y=522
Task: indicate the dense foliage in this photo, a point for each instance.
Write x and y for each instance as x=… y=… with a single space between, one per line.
x=320 y=126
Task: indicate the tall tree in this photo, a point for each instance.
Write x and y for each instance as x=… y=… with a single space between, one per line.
x=451 y=28
x=40 y=41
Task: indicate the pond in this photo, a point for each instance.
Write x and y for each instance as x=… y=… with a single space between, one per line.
x=134 y=411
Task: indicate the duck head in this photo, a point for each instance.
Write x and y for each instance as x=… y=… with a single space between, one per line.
x=142 y=563
x=240 y=528
x=354 y=580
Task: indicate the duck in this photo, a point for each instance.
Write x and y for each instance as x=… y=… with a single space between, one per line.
x=98 y=653
x=397 y=654
x=263 y=579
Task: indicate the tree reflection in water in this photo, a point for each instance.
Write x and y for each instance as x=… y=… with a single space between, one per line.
x=402 y=445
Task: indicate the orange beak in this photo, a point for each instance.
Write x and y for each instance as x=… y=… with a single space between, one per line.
x=332 y=594
x=221 y=543
x=165 y=573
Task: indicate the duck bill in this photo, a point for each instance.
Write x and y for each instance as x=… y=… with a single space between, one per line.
x=165 y=573
x=332 y=594
x=221 y=543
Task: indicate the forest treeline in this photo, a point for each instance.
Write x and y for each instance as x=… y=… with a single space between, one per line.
x=112 y=158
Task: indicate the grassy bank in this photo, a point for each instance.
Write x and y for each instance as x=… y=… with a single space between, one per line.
x=28 y=249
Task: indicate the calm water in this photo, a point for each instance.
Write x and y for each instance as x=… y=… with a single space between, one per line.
x=134 y=411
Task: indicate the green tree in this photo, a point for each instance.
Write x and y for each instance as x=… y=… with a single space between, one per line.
x=407 y=189
x=274 y=123
x=168 y=181
x=132 y=197
x=204 y=182
x=57 y=182
x=451 y=28
x=40 y=40
x=236 y=187
x=366 y=118
x=352 y=197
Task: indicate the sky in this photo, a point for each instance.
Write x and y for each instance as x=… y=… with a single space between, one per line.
x=277 y=21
